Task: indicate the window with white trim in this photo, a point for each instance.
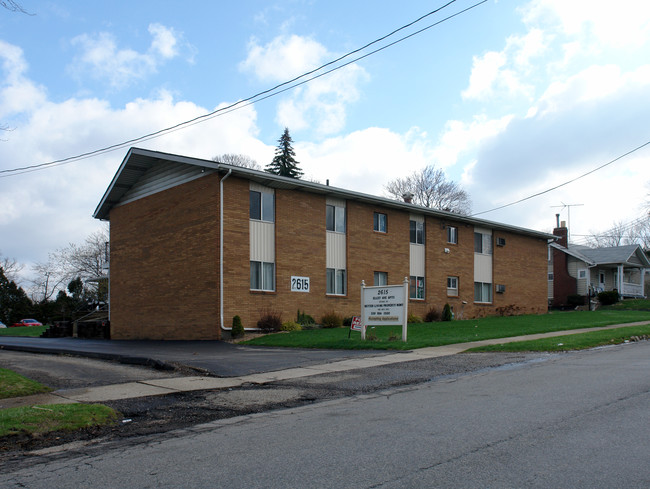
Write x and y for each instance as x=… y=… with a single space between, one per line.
x=262 y=276
x=380 y=222
x=452 y=286
x=335 y=218
x=416 y=229
x=335 y=281
x=416 y=287
x=482 y=292
x=262 y=206
x=381 y=278
x=482 y=243
x=452 y=234
x=582 y=274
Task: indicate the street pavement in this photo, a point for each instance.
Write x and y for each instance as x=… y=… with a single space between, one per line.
x=228 y=365
x=574 y=421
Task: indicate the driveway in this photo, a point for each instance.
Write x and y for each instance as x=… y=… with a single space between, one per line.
x=214 y=357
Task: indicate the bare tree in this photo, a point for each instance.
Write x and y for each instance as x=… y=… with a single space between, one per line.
x=87 y=261
x=238 y=160
x=11 y=268
x=430 y=188
x=620 y=234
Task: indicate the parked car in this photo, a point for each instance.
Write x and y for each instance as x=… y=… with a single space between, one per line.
x=2 y=325
x=26 y=322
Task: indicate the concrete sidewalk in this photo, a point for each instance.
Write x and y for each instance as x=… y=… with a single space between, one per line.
x=194 y=383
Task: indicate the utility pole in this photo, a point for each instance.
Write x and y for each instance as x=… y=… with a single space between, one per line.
x=568 y=206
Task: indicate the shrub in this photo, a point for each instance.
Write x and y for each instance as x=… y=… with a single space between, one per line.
x=290 y=326
x=432 y=315
x=394 y=337
x=270 y=321
x=576 y=300
x=331 y=320
x=304 y=319
x=237 y=328
x=347 y=321
x=608 y=298
x=446 y=313
x=414 y=319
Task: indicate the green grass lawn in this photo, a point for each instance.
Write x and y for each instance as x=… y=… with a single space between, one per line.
x=43 y=419
x=579 y=341
x=38 y=420
x=445 y=333
x=23 y=331
x=15 y=385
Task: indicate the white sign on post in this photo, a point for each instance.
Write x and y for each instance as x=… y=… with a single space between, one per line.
x=384 y=305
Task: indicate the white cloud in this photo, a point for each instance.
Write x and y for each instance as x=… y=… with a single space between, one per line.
x=283 y=58
x=17 y=92
x=321 y=104
x=102 y=59
x=623 y=24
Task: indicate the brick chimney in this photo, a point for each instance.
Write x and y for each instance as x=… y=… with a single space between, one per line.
x=562 y=232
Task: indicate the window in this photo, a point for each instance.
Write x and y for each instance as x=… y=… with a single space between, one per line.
x=380 y=222
x=416 y=287
x=262 y=276
x=482 y=243
x=417 y=232
x=262 y=206
x=335 y=218
x=452 y=286
x=482 y=292
x=582 y=274
x=335 y=281
x=381 y=278
x=550 y=277
x=452 y=235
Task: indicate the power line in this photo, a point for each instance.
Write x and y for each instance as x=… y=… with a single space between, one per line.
x=276 y=90
x=563 y=184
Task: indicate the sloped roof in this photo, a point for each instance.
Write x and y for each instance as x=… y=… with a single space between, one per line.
x=140 y=162
x=612 y=255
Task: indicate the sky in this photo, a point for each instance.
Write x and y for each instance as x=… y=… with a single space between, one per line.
x=510 y=98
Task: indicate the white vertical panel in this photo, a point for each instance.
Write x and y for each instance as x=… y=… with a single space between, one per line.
x=417 y=260
x=482 y=268
x=262 y=241
x=335 y=250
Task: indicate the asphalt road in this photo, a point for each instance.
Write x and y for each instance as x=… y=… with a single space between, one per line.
x=576 y=420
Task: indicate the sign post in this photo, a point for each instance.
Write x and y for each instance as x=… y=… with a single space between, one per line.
x=384 y=305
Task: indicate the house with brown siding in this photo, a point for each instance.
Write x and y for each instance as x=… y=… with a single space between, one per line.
x=194 y=242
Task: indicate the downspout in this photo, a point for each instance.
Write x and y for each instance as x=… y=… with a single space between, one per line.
x=221 y=248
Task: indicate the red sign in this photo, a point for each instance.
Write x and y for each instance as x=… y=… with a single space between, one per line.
x=356 y=323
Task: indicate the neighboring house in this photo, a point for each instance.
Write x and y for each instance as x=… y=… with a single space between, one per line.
x=194 y=243
x=580 y=270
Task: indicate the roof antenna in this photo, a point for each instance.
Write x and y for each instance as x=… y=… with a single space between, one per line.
x=567 y=206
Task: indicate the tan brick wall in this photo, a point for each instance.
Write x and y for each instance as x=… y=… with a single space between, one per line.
x=165 y=262
x=521 y=265
x=164 y=275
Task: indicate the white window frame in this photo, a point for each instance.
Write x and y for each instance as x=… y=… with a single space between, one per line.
x=416 y=228
x=380 y=222
x=582 y=274
x=266 y=207
x=416 y=292
x=486 y=289
x=336 y=279
x=484 y=246
x=452 y=234
x=266 y=276
x=338 y=218
x=380 y=278
x=452 y=286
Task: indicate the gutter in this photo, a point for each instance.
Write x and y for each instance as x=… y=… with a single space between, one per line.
x=221 y=249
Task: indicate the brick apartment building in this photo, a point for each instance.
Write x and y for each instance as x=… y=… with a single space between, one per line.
x=194 y=243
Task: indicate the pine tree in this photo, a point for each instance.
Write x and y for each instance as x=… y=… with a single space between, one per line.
x=284 y=163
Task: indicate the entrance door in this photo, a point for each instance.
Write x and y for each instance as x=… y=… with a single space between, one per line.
x=601 y=280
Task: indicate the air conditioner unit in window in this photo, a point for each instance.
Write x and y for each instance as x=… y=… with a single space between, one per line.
x=501 y=289
x=501 y=241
